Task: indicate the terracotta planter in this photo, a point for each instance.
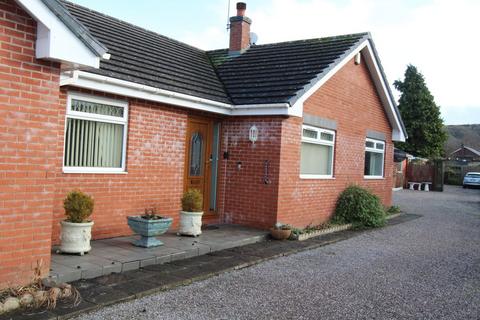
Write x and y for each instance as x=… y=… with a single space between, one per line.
x=279 y=234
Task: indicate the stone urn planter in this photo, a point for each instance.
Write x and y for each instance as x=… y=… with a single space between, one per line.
x=75 y=237
x=190 y=223
x=149 y=226
x=76 y=229
x=191 y=214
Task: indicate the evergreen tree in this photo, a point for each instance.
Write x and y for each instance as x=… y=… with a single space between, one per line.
x=421 y=116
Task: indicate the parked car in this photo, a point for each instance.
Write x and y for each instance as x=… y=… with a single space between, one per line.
x=471 y=179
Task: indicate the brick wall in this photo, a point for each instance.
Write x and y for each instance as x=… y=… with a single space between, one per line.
x=248 y=200
x=28 y=114
x=349 y=98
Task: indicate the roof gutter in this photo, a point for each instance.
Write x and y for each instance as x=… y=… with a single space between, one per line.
x=97 y=82
x=88 y=80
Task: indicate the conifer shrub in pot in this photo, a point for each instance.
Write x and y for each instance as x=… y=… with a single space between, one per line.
x=191 y=214
x=76 y=228
x=360 y=207
x=149 y=226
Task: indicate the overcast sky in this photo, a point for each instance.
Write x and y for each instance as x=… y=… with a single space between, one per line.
x=436 y=36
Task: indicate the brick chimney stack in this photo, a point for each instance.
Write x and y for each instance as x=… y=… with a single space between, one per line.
x=239 y=31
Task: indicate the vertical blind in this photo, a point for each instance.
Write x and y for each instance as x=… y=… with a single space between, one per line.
x=316 y=159
x=93 y=144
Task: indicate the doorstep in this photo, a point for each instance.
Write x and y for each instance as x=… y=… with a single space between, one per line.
x=118 y=255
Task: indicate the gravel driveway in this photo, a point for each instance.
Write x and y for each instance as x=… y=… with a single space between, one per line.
x=428 y=268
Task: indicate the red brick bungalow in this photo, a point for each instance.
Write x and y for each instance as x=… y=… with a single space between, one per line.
x=134 y=118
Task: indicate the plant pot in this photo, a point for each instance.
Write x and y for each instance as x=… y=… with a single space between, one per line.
x=190 y=223
x=148 y=230
x=75 y=237
x=279 y=234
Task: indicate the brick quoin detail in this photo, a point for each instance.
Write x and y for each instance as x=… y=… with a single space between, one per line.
x=29 y=91
x=349 y=98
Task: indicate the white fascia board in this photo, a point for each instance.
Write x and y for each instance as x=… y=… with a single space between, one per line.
x=101 y=83
x=87 y=80
x=261 y=109
x=389 y=105
x=55 y=41
x=372 y=64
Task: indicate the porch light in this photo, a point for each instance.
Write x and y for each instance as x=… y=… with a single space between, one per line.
x=253 y=134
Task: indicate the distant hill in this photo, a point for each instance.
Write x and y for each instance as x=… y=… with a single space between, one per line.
x=468 y=134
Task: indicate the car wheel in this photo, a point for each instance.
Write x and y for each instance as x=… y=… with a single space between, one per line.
x=464 y=187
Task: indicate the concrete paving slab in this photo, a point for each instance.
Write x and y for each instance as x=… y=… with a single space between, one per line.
x=119 y=255
x=63 y=273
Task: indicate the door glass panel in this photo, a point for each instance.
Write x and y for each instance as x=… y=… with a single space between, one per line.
x=196 y=154
x=214 y=168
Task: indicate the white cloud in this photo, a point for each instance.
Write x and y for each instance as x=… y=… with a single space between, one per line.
x=437 y=36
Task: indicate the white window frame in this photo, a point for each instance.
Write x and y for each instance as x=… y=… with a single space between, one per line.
x=320 y=141
x=101 y=118
x=375 y=150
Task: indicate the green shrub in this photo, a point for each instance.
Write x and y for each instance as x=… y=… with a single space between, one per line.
x=78 y=206
x=192 y=201
x=392 y=210
x=360 y=207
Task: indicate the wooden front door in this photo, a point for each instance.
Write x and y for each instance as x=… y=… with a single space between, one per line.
x=199 y=158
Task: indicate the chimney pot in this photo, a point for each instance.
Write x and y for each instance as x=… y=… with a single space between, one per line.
x=241 y=7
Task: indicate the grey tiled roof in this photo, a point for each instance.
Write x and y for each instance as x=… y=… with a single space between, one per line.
x=279 y=72
x=269 y=73
x=145 y=57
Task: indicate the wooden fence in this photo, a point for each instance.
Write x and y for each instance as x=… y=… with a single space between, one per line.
x=431 y=171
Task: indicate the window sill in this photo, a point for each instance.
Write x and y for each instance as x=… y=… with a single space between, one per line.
x=90 y=171
x=373 y=178
x=315 y=176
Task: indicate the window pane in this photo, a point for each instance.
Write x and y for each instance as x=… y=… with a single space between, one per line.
x=379 y=146
x=196 y=154
x=369 y=144
x=326 y=136
x=97 y=108
x=93 y=144
x=307 y=133
x=373 y=163
x=316 y=159
x=214 y=163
